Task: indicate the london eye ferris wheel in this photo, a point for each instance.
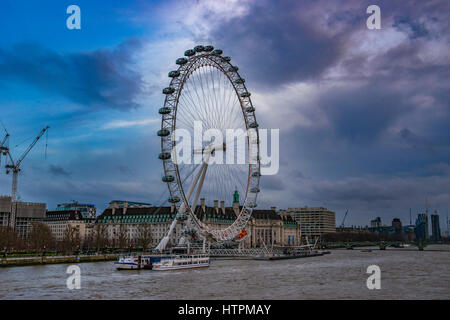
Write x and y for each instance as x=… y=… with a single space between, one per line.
x=207 y=93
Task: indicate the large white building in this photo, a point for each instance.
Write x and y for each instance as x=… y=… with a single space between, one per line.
x=313 y=221
x=60 y=220
x=266 y=227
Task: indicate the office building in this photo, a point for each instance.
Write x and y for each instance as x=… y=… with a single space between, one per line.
x=313 y=221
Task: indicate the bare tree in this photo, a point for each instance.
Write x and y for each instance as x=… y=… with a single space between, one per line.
x=144 y=235
x=40 y=236
x=8 y=239
x=71 y=239
x=100 y=236
x=122 y=237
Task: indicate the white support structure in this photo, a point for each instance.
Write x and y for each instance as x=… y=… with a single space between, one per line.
x=200 y=176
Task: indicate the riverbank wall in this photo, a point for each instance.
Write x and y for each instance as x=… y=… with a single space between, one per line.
x=31 y=261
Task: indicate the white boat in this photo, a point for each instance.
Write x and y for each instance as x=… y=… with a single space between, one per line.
x=132 y=262
x=179 y=262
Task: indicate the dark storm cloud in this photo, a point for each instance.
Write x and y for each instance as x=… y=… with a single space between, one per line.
x=414 y=28
x=277 y=42
x=280 y=42
x=58 y=171
x=362 y=114
x=272 y=183
x=99 y=78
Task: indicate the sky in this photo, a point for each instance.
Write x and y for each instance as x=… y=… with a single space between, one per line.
x=364 y=115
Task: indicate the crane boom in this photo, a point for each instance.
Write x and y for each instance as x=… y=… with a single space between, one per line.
x=4 y=141
x=31 y=147
x=15 y=166
x=3 y=148
x=343 y=220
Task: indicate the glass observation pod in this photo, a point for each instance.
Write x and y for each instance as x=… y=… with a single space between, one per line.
x=253 y=125
x=208 y=48
x=217 y=52
x=245 y=94
x=174 y=199
x=181 y=216
x=165 y=110
x=251 y=205
x=250 y=109
x=254 y=190
x=164 y=155
x=163 y=133
x=227 y=59
x=189 y=53
x=240 y=81
x=168 y=178
x=199 y=48
x=233 y=69
x=168 y=90
x=256 y=174
x=174 y=73
x=181 y=61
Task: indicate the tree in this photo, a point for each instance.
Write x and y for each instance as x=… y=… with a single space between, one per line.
x=100 y=236
x=71 y=239
x=8 y=238
x=40 y=236
x=144 y=235
x=122 y=237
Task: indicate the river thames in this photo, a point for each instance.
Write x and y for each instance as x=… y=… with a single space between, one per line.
x=405 y=274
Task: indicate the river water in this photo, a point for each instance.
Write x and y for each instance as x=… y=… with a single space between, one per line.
x=405 y=274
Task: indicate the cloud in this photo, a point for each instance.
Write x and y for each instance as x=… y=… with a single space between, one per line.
x=117 y=124
x=58 y=171
x=102 y=78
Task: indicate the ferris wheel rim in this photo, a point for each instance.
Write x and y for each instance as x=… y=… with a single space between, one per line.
x=173 y=93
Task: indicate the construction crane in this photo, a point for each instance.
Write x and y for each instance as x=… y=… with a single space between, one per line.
x=15 y=166
x=343 y=220
x=3 y=147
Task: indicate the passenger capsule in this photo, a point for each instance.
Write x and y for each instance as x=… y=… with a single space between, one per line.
x=240 y=81
x=168 y=178
x=168 y=90
x=165 y=110
x=189 y=53
x=251 y=205
x=233 y=69
x=208 y=48
x=174 y=74
x=245 y=94
x=181 y=61
x=163 y=132
x=199 y=48
x=227 y=59
x=174 y=199
x=181 y=216
x=164 y=155
x=253 y=125
x=217 y=52
x=250 y=109
x=254 y=189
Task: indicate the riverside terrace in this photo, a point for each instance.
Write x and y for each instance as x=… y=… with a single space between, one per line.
x=265 y=226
